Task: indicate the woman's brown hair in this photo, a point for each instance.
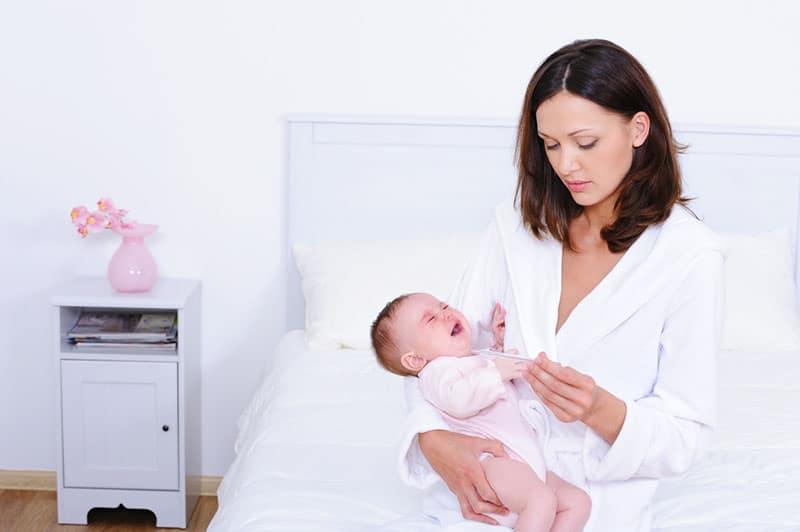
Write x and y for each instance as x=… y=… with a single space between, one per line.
x=606 y=74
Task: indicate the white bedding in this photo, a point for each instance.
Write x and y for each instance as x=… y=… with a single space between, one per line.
x=316 y=451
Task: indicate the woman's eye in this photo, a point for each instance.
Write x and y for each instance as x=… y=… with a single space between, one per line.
x=587 y=146
x=550 y=147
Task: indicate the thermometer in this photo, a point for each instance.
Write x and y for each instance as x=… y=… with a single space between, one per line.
x=493 y=353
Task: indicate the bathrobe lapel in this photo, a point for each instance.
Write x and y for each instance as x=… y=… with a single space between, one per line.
x=629 y=285
x=661 y=256
x=534 y=268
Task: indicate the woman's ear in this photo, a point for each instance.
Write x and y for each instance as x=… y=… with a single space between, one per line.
x=640 y=128
x=412 y=361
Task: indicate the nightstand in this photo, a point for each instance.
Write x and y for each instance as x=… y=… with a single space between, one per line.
x=129 y=428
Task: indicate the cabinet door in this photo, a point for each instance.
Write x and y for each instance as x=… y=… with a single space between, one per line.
x=120 y=424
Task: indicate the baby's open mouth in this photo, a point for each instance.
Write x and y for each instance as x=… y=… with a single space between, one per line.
x=456 y=329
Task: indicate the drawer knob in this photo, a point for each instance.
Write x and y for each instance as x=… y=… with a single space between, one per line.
x=165 y=428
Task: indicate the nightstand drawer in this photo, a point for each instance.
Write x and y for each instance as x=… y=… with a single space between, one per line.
x=120 y=424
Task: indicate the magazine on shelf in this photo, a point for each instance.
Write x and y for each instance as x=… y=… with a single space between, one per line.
x=138 y=327
x=157 y=347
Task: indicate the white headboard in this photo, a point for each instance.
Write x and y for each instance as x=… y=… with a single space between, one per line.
x=364 y=178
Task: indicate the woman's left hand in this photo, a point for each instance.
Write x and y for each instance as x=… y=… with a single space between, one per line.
x=569 y=394
x=574 y=396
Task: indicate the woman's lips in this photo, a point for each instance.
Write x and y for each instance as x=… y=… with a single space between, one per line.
x=577 y=186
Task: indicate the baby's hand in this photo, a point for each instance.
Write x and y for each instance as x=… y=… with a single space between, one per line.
x=510 y=369
x=499 y=326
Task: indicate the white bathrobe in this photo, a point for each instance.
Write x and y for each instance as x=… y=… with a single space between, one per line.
x=648 y=333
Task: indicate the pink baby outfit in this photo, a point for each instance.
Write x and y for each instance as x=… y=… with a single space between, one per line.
x=475 y=401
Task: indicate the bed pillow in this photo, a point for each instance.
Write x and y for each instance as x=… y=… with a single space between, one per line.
x=761 y=311
x=346 y=284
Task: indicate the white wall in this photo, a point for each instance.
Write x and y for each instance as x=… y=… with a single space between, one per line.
x=175 y=109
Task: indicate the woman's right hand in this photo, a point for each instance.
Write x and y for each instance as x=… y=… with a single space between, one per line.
x=455 y=457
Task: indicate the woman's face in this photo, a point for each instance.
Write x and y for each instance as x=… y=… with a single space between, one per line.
x=589 y=147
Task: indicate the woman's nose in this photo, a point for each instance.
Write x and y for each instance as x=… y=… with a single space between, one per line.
x=567 y=163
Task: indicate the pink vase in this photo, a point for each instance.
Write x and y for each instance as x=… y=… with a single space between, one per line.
x=132 y=267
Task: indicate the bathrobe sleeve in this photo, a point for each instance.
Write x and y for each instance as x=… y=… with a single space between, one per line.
x=666 y=431
x=414 y=468
x=482 y=284
x=461 y=387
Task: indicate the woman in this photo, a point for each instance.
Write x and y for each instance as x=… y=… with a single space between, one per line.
x=609 y=277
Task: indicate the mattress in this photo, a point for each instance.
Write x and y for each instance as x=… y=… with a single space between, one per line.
x=317 y=451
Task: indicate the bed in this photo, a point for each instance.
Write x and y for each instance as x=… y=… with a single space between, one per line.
x=317 y=445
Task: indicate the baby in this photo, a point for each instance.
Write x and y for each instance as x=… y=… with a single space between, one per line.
x=416 y=334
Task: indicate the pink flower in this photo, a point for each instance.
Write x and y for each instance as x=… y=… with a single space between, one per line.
x=79 y=215
x=115 y=220
x=96 y=222
x=107 y=216
x=106 y=205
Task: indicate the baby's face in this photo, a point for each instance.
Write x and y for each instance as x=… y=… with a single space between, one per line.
x=430 y=328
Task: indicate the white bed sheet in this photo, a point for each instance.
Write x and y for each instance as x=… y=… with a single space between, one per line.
x=316 y=451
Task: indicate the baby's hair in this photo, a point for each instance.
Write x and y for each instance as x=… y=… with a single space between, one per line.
x=383 y=341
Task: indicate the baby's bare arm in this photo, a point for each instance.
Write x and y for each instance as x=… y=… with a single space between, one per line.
x=498 y=326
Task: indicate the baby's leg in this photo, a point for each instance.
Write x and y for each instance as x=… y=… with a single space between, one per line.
x=522 y=492
x=573 y=507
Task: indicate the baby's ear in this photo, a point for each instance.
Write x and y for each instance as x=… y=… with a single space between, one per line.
x=412 y=361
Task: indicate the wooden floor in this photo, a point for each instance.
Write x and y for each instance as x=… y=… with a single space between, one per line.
x=35 y=511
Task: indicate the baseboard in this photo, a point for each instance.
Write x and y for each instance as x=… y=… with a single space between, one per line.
x=209 y=485
x=28 y=480
x=46 y=481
